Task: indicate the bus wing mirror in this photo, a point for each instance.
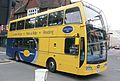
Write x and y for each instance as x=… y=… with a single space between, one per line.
x=77 y=41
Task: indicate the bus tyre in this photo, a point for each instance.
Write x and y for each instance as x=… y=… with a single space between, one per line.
x=17 y=58
x=51 y=65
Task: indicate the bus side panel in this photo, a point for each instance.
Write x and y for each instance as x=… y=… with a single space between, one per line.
x=56 y=50
x=42 y=51
x=64 y=62
x=9 y=49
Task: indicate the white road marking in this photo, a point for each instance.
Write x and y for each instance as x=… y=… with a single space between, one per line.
x=2 y=52
x=117 y=69
x=7 y=62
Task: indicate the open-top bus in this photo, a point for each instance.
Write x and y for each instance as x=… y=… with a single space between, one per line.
x=70 y=39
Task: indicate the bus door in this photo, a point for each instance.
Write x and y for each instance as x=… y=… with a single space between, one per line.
x=71 y=58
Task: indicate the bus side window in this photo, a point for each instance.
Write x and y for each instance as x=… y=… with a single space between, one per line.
x=32 y=44
x=13 y=26
x=30 y=23
x=56 y=18
x=41 y=21
x=20 y=25
x=26 y=43
x=18 y=43
x=70 y=48
x=73 y=16
x=15 y=43
x=29 y=43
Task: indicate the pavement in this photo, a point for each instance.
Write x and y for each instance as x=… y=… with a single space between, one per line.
x=2 y=49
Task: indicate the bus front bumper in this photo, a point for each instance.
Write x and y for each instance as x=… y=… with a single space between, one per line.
x=90 y=69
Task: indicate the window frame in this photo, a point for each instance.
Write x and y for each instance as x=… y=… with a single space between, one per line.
x=15 y=26
x=46 y=24
x=29 y=23
x=22 y=43
x=22 y=23
x=74 y=48
x=80 y=20
x=57 y=23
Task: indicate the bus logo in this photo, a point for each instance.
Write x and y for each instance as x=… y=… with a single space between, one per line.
x=26 y=53
x=68 y=29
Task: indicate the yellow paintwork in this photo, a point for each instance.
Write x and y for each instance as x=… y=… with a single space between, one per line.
x=48 y=36
x=77 y=41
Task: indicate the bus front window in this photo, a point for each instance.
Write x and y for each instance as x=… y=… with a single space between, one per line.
x=96 y=36
x=97 y=45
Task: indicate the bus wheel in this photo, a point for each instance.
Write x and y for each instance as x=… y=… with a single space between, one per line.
x=51 y=65
x=17 y=58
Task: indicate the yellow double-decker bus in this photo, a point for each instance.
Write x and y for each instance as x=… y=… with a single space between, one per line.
x=70 y=39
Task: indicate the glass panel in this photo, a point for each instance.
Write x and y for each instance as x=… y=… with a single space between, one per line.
x=26 y=43
x=97 y=45
x=18 y=43
x=73 y=16
x=29 y=43
x=32 y=44
x=20 y=25
x=30 y=23
x=70 y=47
x=56 y=18
x=41 y=21
x=82 y=51
x=13 y=26
x=94 y=17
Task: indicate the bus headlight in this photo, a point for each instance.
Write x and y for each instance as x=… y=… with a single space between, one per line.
x=89 y=68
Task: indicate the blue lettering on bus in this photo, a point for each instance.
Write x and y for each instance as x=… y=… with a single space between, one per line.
x=67 y=29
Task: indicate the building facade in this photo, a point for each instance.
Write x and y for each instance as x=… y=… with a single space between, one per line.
x=29 y=7
x=3 y=35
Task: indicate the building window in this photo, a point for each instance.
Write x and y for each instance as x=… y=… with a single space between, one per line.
x=19 y=16
x=32 y=11
x=73 y=16
x=20 y=25
x=70 y=47
x=13 y=26
x=30 y=23
x=56 y=18
x=41 y=21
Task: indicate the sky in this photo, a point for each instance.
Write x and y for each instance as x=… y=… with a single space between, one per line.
x=111 y=9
